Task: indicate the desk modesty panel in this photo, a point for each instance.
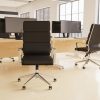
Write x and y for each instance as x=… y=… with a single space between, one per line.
x=15 y=24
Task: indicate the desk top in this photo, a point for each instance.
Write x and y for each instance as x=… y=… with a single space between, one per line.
x=9 y=47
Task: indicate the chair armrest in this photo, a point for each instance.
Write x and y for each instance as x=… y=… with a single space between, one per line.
x=52 y=52
x=20 y=50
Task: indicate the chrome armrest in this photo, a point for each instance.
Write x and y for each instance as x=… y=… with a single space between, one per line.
x=52 y=54
x=20 y=50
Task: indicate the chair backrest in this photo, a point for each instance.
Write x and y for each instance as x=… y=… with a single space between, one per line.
x=36 y=38
x=89 y=33
x=94 y=40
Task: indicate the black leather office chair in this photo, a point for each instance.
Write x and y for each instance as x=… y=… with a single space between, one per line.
x=85 y=48
x=36 y=47
x=92 y=44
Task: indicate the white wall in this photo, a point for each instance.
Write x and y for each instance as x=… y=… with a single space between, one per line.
x=39 y=4
x=7 y=9
x=90 y=15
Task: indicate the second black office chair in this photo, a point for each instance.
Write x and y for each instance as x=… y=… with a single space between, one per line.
x=92 y=45
x=36 y=47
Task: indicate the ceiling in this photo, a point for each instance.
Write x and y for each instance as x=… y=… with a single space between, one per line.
x=13 y=3
x=18 y=3
x=68 y=0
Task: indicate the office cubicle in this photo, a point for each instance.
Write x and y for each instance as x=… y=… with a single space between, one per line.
x=66 y=27
x=15 y=24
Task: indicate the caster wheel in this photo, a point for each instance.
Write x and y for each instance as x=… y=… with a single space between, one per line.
x=13 y=59
x=54 y=79
x=23 y=87
x=50 y=87
x=76 y=64
x=83 y=67
x=19 y=79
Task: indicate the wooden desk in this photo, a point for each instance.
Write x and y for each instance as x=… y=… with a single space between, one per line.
x=65 y=44
x=9 y=47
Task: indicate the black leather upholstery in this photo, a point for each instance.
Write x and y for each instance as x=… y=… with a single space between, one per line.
x=94 y=42
x=39 y=36
x=37 y=59
x=84 y=49
x=36 y=43
x=36 y=26
x=36 y=48
x=3 y=34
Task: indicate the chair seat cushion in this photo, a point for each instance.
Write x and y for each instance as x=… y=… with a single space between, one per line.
x=84 y=49
x=34 y=59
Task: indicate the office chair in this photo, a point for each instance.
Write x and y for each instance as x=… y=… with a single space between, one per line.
x=85 y=48
x=36 y=47
x=92 y=45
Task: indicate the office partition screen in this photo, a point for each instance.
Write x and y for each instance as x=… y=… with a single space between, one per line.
x=70 y=27
x=15 y=25
x=2 y=25
x=66 y=26
x=56 y=26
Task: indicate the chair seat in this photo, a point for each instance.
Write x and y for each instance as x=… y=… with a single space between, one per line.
x=40 y=60
x=84 y=49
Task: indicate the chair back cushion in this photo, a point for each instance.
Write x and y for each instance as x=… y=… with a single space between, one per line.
x=36 y=43
x=94 y=41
